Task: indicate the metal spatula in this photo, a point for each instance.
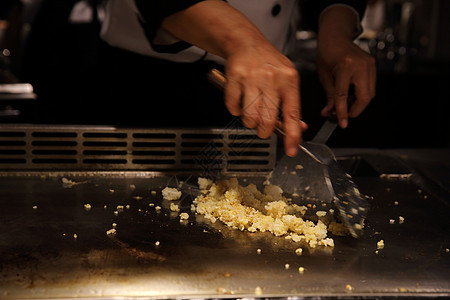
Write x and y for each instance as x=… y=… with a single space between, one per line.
x=316 y=174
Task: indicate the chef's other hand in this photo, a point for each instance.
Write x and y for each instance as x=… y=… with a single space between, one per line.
x=342 y=63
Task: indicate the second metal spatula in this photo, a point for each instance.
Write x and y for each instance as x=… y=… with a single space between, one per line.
x=322 y=179
x=315 y=175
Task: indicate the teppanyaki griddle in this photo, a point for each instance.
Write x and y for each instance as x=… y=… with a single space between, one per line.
x=53 y=245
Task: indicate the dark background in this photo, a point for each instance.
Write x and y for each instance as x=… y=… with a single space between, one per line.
x=78 y=79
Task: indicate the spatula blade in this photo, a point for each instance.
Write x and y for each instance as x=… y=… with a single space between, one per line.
x=326 y=182
x=302 y=178
x=353 y=208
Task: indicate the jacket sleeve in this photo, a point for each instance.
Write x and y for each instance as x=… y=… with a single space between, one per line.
x=151 y=15
x=310 y=10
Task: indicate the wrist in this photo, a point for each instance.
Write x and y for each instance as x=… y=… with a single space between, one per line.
x=338 y=23
x=242 y=39
x=216 y=27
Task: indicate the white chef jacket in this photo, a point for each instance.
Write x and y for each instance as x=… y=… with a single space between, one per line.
x=122 y=28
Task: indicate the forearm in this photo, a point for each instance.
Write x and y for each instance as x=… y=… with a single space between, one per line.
x=260 y=78
x=337 y=23
x=216 y=27
x=341 y=63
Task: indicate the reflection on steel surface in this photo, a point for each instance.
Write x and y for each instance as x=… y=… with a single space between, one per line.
x=153 y=254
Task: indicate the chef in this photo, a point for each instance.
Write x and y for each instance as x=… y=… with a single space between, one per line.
x=249 y=37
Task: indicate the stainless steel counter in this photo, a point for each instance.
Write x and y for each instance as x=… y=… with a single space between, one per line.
x=53 y=246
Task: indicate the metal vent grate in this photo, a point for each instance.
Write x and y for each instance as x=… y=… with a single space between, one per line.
x=51 y=147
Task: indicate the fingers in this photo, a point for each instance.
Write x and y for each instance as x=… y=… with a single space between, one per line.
x=303 y=127
x=267 y=102
x=362 y=94
x=326 y=78
x=372 y=77
x=327 y=81
x=233 y=94
x=364 y=83
x=257 y=98
x=260 y=103
x=292 y=124
x=363 y=76
x=250 y=107
x=341 y=96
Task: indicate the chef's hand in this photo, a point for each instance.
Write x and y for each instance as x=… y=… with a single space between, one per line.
x=260 y=81
x=342 y=63
x=256 y=71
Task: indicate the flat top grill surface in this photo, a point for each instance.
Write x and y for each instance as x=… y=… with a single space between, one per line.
x=53 y=246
